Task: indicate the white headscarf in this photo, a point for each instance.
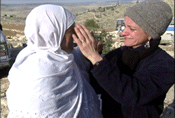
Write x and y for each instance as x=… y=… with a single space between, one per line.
x=45 y=80
x=46 y=25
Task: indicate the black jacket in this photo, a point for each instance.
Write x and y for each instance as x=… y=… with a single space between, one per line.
x=134 y=82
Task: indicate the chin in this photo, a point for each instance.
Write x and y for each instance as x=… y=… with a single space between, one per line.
x=127 y=45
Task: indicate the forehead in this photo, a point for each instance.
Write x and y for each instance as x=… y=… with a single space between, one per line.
x=130 y=22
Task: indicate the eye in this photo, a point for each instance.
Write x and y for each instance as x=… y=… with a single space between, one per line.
x=132 y=29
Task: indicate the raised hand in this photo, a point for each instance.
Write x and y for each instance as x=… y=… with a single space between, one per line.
x=87 y=44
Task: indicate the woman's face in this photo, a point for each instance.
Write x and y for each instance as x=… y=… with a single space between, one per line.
x=67 y=43
x=134 y=35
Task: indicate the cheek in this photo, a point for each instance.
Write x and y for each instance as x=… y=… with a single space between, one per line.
x=143 y=38
x=137 y=40
x=70 y=43
x=132 y=40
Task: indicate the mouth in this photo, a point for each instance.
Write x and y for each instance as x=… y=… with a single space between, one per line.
x=127 y=38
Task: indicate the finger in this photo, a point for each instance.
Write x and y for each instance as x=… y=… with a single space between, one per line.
x=92 y=39
x=88 y=32
x=79 y=34
x=99 y=46
x=79 y=43
x=92 y=33
x=83 y=32
x=95 y=39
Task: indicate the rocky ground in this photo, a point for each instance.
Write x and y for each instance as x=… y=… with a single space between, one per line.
x=13 y=20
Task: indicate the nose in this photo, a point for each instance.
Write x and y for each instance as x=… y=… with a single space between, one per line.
x=124 y=33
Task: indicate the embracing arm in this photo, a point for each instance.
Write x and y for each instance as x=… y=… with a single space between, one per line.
x=146 y=85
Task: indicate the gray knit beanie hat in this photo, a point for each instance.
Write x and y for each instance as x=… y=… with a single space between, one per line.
x=152 y=16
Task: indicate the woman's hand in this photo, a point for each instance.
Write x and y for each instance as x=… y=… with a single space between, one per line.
x=89 y=46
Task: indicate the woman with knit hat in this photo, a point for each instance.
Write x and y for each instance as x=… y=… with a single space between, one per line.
x=136 y=77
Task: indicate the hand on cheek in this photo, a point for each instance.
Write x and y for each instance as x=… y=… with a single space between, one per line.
x=87 y=43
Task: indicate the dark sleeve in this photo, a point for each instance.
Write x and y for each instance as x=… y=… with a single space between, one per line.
x=93 y=81
x=151 y=81
x=82 y=62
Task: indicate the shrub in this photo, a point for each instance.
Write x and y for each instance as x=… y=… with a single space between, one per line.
x=91 y=23
x=100 y=9
x=106 y=40
x=98 y=16
x=91 y=10
x=104 y=37
x=112 y=9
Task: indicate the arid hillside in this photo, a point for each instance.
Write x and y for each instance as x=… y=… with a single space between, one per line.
x=104 y=15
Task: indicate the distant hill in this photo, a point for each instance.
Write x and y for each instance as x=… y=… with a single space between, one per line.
x=104 y=14
x=107 y=15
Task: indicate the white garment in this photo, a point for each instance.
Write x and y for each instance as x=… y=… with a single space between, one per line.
x=45 y=81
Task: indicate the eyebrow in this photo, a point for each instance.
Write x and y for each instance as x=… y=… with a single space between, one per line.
x=129 y=26
x=132 y=27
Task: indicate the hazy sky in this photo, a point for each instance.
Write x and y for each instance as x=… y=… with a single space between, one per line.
x=53 y=1
x=42 y=1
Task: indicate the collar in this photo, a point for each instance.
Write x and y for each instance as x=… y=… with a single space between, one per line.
x=132 y=56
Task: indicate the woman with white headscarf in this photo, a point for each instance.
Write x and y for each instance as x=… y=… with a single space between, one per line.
x=45 y=81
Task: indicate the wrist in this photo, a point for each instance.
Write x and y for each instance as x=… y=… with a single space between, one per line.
x=97 y=63
x=96 y=59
